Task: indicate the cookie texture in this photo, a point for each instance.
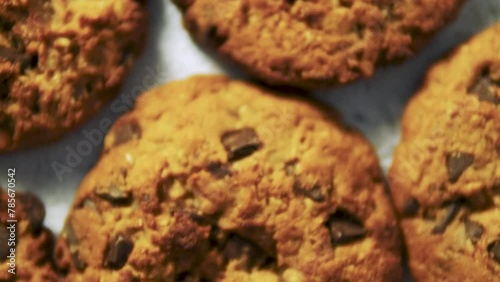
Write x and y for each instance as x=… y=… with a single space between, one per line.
x=209 y=179
x=313 y=44
x=60 y=62
x=445 y=175
x=33 y=242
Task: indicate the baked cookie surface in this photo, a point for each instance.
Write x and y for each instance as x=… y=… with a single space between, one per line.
x=60 y=62
x=33 y=242
x=312 y=44
x=209 y=179
x=445 y=175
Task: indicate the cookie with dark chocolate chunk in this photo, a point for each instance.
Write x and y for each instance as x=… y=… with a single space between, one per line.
x=229 y=182
x=61 y=63
x=445 y=172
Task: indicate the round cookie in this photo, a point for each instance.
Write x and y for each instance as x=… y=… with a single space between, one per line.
x=445 y=175
x=209 y=179
x=33 y=242
x=60 y=62
x=311 y=44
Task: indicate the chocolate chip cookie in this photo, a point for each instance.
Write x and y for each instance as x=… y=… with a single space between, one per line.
x=33 y=243
x=60 y=62
x=315 y=43
x=445 y=175
x=210 y=179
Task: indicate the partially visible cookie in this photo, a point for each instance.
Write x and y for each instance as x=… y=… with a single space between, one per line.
x=315 y=43
x=445 y=176
x=33 y=243
x=60 y=62
x=209 y=179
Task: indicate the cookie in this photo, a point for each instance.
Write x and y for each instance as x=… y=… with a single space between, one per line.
x=445 y=175
x=209 y=179
x=33 y=243
x=312 y=44
x=60 y=62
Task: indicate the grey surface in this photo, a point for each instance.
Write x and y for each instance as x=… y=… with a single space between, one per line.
x=373 y=105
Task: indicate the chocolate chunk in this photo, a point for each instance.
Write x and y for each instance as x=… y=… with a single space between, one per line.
x=457 y=163
x=218 y=170
x=269 y=263
x=184 y=276
x=115 y=195
x=6 y=24
x=79 y=264
x=239 y=248
x=314 y=193
x=479 y=201
x=118 y=251
x=411 y=207
x=346 y=3
x=4 y=89
x=473 y=230
x=240 y=143
x=127 y=132
x=359 y=28
x=202 y=219
x=217 y=238
x=35 y=105
x=30 y=63
x=34 y=209
x=483 y=89
x=74 y=49
x=344 y=228
x=216 y=38
x=494 y=250
x=4 y=247
x=451 y=211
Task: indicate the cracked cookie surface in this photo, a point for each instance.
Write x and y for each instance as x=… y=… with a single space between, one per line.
x=315 y=43
x=60 y=62
x=445 y=176
x=33 y=242
x=209 y=179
